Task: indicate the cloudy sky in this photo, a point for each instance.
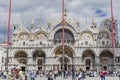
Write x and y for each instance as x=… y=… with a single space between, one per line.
x=42 y=10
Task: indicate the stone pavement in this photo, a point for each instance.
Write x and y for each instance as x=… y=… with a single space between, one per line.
x=87 y=78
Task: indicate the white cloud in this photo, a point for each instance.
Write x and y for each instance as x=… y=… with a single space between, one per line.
x=24 y=10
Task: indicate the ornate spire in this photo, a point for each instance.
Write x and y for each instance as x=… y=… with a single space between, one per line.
x=32 y=23
x=40 y=25
x=49 y=23
x=21 y=26
x=94 y=23
x=78 y=22
x=86 y=23
x=14 y=24
x=65 y=14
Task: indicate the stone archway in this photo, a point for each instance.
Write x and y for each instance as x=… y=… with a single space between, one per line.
x=106 y=60
x=68 y=57
x=39 y=58
x=88 y=59
x=21 y=57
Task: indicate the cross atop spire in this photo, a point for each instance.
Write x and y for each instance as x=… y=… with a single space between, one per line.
x=32 y=23
x=65 y=14
x=77 y=22
x=14 y=20
x=22 y=26
x=40 y=25
x=86 y=23
x=14 y=23
x=49 y=22
x=94 y=21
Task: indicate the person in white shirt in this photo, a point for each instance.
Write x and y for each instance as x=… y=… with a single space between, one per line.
x=80 y=76
x=95 y=73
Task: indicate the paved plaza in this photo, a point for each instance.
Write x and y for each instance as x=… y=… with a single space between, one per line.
x=87 y=78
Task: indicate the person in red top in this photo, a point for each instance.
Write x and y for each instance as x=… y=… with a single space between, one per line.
x=103 y=74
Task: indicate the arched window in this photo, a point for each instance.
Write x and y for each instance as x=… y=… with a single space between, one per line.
x=107 y=42
x=40 y=43
x=99 y=42
x=103 y=42
x=81 y=44
x=86 y=43
x=23 y=43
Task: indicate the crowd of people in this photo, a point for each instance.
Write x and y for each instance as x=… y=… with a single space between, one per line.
x=53 y=74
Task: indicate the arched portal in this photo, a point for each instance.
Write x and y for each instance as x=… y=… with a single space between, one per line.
x=89 y=59
x=69 y=38
x=21 y=57
x=68 y=57
x=39 y=58
x=106 y=60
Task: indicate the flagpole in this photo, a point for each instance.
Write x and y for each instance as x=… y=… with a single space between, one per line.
x=113 y=26
x=9 y=17
x=113 y=30
x=63 y=35
x=8 y=35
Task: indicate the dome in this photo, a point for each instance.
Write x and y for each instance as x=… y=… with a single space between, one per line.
x=106 y=25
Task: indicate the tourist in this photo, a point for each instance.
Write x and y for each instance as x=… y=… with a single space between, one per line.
x=118 y=74
x=55 y=73
x=32 y=75
x=103 y=74
x=9 y=75
x=95 y=73
x=83 y=74
x=20 y=74
x=73 y=74
x=80 y=76
x=3 y=75
x=50 y=75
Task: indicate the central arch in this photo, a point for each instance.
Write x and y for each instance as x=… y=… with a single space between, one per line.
x=68 y=57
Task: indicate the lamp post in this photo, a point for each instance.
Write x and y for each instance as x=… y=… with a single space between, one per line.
x=63 y=64
x=7 y=60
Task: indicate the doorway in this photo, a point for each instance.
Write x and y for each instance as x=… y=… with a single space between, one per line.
x=105 y=67
x=88 y=63
x=87 y=68
x=23 y=68
x=65 y=66
x=39 y=68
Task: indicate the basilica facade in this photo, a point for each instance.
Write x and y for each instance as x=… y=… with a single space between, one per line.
x=89 y=47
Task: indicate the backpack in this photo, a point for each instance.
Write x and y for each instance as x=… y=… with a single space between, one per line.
x=119 y=74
